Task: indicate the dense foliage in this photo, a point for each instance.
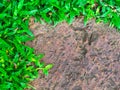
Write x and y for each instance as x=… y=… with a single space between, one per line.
x=55 y=11
x=18 y=63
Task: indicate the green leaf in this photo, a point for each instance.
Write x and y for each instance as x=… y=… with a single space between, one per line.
x=81 y=3
x=2 y=15
x=106 y=14
x=15 y=12
x=16 y=58
x=40 y=64
x=23 y=38
x=1 y=5
x=3 y=43
x=45 y=72
x=67 y=6
x=49 y=66
x=3 y=73
x=85 y=21
x=47 y=19
x=25 y=12
x=7 y=8
x=116 y=20
x=40 y=56
x=98 y=10
x=71 y=17
x=20 y=5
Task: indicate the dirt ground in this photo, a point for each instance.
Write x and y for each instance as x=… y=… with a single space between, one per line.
x=84 y=58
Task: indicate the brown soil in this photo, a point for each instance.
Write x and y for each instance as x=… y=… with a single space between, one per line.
x=84 y=58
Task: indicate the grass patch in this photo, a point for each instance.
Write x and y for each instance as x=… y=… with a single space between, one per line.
x=18 y=63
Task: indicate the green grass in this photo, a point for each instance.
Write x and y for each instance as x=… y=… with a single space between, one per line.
x=18 y=63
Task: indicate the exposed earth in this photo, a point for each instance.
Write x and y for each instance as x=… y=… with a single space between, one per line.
x=84 y=58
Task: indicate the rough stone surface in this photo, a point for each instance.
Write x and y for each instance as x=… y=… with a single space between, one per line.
x=77 y=88
x=84 y=58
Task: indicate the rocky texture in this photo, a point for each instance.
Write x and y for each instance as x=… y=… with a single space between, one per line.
x=84 y=58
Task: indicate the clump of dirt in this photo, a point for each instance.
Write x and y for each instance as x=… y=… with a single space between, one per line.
x=84 y=57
